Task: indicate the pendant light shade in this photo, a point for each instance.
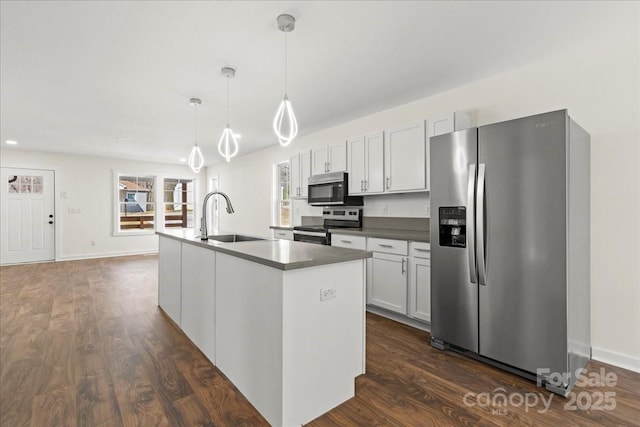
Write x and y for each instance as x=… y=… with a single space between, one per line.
x=285 y=124
x=228 y=144
x=196 y=159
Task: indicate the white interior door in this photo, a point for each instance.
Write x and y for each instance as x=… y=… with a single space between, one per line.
x=27 y=215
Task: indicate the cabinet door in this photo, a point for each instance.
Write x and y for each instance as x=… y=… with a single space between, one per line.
x=319 y=160
x=439 y=125
x=305 y=172
x=356 y=158
x=198 y=298
x=420 y=288
x=449 y=122
x=388 y=287
x=337 y=158
x=405 y=157
x=169 y=277
x=294 y=163
x=374 y=181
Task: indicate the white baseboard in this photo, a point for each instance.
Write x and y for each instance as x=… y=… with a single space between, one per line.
x=399 y=318
x=616 y=359
x=104 y=255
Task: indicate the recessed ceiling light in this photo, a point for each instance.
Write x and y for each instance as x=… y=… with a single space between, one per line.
x=183 y=160
x=120 y=139
x=11 y=142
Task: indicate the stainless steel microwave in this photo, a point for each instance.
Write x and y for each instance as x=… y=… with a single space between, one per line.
x=331 y=189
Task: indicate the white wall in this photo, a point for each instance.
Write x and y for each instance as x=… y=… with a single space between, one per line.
x=88 y=184
x=601 y=89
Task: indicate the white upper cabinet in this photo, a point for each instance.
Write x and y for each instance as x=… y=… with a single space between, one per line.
x=356 y=164
x=300 y=172
x=405 y=160
x=374 y=181
x=366 y=163
x=332 y=158
x=305 y=172
x=450 y=122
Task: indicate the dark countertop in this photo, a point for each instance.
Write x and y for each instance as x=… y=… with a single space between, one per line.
x=385 y=233
x=278 y=227
x=280 y=254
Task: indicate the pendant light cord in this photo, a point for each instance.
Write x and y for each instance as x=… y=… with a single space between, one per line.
x=285 y=63
x=227 y=100
x=195 y=120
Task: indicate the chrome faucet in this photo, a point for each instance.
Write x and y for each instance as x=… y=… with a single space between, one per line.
x=203 y=220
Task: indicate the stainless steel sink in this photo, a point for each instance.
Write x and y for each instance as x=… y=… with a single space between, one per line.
x=231 y=238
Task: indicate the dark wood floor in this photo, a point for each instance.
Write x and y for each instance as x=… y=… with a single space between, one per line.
x=84 y=343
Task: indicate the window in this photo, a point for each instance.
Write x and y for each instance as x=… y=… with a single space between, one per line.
x=282 y=195
x=136 y=201
x=145 y=203
x=178 y=202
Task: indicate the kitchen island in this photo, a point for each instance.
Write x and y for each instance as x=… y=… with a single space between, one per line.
x=283 y=320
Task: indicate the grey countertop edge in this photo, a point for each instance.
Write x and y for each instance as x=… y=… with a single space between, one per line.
x=409 y=235
x=356 y=255
x=339 y=254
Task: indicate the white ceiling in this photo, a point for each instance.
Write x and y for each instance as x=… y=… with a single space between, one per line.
x=80 y=76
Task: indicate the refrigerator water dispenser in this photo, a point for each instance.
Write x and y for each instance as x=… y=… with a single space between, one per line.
x=453 y=226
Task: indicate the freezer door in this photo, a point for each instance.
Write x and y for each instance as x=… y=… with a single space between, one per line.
x=522 y=245
x=454 y=289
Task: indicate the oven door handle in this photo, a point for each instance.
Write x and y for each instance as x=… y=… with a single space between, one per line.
x=310 y=233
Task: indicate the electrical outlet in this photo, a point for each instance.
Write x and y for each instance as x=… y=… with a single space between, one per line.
x=427 y=210
x=93 y=243
x=385 y=210
x=327 y=293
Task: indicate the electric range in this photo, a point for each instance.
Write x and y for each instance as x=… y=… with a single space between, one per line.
x=332 y=218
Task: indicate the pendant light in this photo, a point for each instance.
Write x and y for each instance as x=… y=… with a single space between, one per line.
x=228 y=144
x=285 y=124
x=196 y=160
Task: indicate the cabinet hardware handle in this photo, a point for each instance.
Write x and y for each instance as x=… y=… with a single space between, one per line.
x=50 y=222
x=388 y=182
x=385 y=246
x=366 y=185
x=362 y=185
x=345 y=241
x=421 y=250
x=403 y=260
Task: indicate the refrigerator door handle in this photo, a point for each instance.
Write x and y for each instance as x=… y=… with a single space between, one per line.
x=471 y=186
x=480 y=231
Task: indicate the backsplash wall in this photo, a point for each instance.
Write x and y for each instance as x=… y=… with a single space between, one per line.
x=406 y=205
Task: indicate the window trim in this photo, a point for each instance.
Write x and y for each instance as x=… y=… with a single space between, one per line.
x=158 y=204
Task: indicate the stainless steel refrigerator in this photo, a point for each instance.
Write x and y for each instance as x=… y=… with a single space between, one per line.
x=510 y=246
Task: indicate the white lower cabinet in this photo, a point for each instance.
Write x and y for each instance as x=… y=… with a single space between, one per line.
x=282 y=234
x=198 y=298
x=348 y=241
x=169 y=280
x=387 y=285
x=419 y=298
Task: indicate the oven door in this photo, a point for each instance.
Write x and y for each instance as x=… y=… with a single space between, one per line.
x=326 y=194
x=311 y=237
